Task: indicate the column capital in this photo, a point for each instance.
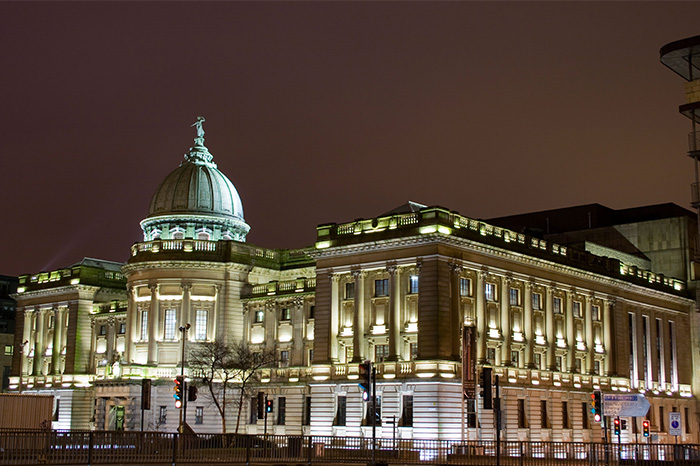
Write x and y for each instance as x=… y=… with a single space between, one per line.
x=391 y=268
x=455 y=268
x=186 y=286
x=357 y=273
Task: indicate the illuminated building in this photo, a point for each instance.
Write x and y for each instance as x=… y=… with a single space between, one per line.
x=430 y=296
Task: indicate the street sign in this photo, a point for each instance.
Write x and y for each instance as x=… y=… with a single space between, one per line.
x=633 y=404
x=674 y=422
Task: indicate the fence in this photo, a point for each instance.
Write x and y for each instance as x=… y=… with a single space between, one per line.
x=108 y=447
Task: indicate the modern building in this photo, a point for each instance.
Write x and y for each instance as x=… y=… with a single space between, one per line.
x=431 y=297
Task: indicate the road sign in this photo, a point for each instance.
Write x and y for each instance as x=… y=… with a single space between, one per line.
x=674 y=422
x=633 y=404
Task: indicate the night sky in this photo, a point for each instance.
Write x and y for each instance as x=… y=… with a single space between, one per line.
x=328 y=112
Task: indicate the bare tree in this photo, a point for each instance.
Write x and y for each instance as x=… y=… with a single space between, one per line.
x=226 y=367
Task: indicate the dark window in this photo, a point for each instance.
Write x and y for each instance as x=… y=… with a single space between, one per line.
x=544 y=419
x=514 y=295
x=471 y=414
x=381 y=287
x=377 y=413
x=662 y=424
x=286 y=314
x=595 y=313
x=584 y=413
x=565 y=415
x=199 y=415
x=306 y=418
x=556 y=305
x=490 y=292
x=536 y=301
x=284 y=356
x=381 y=352
x=103 y=330
x=465 y=287
x=341 y=411
x=522 y=418
x=414 y=351
x=577 y=309
x=163 y=415
x=281 y=410
x=122 y=328
x=258 y=316
x=253 y=418
x=407 y=411
x=312 y=312
x=350 y=290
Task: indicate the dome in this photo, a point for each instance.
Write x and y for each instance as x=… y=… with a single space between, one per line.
x=196 y=201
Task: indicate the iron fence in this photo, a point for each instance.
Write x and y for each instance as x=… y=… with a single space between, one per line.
x=109 y=447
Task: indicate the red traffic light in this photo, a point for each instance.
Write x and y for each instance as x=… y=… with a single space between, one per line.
x=645 y=427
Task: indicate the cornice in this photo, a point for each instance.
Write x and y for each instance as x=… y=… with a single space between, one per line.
x=129 y=269
x=58 y=291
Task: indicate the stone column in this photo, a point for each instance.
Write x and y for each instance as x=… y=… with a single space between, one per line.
x=549 y=326
x=56 y=351
x=506 y=329
x=456 y=318
x=132 y=320
x=152 y=326
x=608 y=363
x=528 y=325
x=394 y=313
x=570 y=335
x=298 y=323
x=334 y=278
x=39 y=341
x=358 y=318
x=480 y=317
x=590 y=344
x=110 y=337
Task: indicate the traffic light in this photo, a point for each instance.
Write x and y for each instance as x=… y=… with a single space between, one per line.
x=616 y=426
x=268 y=406
x=365 y=379
x=191 y=393
x=645 y=427
x=486 y=391
x=179 y=383
x=596 y=406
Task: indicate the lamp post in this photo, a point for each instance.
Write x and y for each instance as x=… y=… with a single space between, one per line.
x=183 y=412
x=21 y=362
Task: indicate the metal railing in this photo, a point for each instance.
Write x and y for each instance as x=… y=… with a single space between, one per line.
x=109 y=447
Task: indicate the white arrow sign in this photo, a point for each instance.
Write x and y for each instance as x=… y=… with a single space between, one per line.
x=633 y=404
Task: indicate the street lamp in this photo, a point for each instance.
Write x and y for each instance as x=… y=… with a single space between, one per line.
x=21 y=362
x=184 y=330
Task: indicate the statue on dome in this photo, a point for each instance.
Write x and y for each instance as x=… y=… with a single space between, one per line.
x=198 y=124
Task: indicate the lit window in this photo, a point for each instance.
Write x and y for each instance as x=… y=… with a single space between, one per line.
x=490 y=292
x=413 y=284
x=258 y=316
x=381 y=287
x=144 y=325
x=200 y=325
x=8 y=350
x=169 y=333
x=514 y=295
x=465 y=287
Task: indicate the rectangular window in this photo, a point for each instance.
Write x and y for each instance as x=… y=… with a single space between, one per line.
x=560 y=363
x=311 y=356
x=199 y=415
x=259 y=316
x=163 y=415
x=471 y=414
x=659 y=352
x=465 y=287
x=522 y=419
x=584 y=415
x=577 y=309
x=556 y=305
x=413 y=284
x=341 y=411
x=414 y=351
x=169 y=331
x=286 y=314
x=538 y=361
x=312 y=311
x=515 y=358
x=381 y=352
x=672 y=355
x=253 y=414
x=686 y=412
x=490 y=292
x=122 y=328
x=596 y=367
x=281 y=410
x=144 y=325
x=646 y=354
x=577 y=365
x=51 y=321
x=536 y=301
x=306 y=415
x=381 y=287
x=514 y=296
x=407 y=411
x=595 y=313
x=284 y=357
x=200 y=324
x=544 y=418
x=350 y=290
x=8 y=350
x=103 y=330
x=491 y=355
x=631 y=336
x=565 y=422
x=662 y=421
x=377 y=413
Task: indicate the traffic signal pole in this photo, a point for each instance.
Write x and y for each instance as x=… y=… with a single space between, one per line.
x=374 y=413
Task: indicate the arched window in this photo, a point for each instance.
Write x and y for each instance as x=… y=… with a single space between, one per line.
x=177 y=233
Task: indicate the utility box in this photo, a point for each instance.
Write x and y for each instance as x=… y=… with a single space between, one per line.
x=25 y=411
